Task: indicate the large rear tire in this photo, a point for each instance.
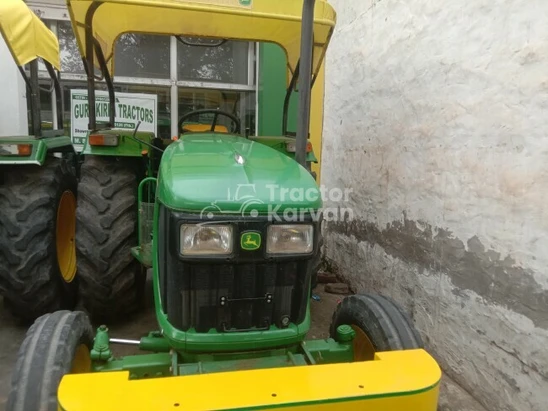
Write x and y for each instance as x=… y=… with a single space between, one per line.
x=380 y=325
x=37 y=232
x=55 y=345
x=111 y=279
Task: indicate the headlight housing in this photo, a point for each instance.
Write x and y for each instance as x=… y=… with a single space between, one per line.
x=290 y=239
x=206 y=239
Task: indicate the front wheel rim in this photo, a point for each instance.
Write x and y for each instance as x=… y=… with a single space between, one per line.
x=81 y=362
x=364 y=350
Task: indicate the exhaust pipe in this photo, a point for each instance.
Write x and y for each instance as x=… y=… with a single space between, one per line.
x=305 y=80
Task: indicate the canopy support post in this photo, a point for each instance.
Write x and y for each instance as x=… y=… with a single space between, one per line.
x=89 y=65
x=287 y=100
x=305 y=78
x=58 y=95
x=35 y=99
x=108 y=80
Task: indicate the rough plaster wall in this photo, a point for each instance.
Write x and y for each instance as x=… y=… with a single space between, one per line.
x=437 y=118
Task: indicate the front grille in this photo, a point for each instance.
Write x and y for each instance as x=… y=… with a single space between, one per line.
x=242 y=293
x=236 y=297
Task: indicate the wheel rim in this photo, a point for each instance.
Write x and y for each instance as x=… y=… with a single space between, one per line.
x=81 y=362
x=65 y=233
x=363 y=347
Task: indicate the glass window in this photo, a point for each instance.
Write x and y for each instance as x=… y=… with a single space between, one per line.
x=139 y=55
x=240 y=104
x=248 y=114
x=71 y=60
x=46 y=114
x=203 y=60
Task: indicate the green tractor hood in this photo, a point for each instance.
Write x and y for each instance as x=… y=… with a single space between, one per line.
x=226 y=174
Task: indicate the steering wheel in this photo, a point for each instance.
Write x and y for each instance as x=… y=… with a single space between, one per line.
x=216 y=113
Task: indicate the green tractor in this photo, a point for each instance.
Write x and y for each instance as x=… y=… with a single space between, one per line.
x=37 y=185
x=231 y=272
x=112 y=255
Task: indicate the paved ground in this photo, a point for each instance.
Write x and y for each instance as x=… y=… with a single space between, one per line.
x=453 y=398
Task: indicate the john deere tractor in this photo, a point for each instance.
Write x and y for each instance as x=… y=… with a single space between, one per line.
x=37 y=184
x=231 y=278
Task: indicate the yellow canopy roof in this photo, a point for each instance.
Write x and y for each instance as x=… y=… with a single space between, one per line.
x=277 y=21
x=25 y=34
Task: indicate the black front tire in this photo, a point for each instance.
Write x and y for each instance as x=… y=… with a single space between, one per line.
x=30 y=278
x=55 y=345
x=111 y=280
x=378 y=319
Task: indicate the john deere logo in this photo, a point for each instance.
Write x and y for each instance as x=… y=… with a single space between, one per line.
x=245 y=2
x=250 y=241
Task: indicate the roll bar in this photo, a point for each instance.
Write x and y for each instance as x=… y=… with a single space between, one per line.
x=303 y=73
x=34 y=91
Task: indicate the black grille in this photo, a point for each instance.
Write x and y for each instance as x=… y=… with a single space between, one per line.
x=240 y=293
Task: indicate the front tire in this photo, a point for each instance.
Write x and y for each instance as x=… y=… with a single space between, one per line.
x=37 y=238
x=55 y=345
x=111 y=279
x=380 y=325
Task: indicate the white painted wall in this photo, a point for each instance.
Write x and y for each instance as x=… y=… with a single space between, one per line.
x=436 y=116
x=13 y=104
x=49 y=9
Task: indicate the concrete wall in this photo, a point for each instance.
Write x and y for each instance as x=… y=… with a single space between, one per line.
x=13 y=104
x=437 y=119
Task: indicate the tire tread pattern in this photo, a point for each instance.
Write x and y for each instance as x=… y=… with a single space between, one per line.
x=29 y=274
x=387 y=326
x=45 y=356
x=106 y=229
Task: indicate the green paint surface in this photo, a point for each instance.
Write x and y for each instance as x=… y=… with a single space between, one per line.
x=40 y=147
x=311 y=352
x=127 y=147
x=225 y=174
x=272 y=88
x=279 y=143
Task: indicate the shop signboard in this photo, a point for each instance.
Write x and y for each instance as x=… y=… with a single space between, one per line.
x=130 y=109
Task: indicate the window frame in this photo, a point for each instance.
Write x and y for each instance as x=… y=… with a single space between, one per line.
x=53 y=15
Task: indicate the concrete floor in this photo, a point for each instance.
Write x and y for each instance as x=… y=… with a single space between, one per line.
x=453 y=398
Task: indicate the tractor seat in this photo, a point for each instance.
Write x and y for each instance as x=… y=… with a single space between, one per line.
x=198 y=128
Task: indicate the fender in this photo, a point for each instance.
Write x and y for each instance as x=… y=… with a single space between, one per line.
x=29 y=150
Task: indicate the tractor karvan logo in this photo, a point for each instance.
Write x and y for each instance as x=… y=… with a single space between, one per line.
x=250 y=241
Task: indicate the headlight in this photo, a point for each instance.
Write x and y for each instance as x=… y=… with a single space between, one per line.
x=206 y=239
x=290 y=239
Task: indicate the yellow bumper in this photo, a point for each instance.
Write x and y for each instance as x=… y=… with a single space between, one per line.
x=399 y=380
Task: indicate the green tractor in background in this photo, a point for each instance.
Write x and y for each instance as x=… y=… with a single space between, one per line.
x=37 y=185
x=231 y=271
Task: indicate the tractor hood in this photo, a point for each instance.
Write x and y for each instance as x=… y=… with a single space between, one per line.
x=226 y=174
